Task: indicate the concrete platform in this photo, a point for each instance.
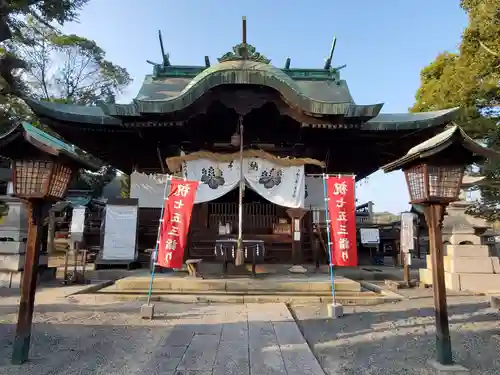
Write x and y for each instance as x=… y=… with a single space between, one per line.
x=174 y=283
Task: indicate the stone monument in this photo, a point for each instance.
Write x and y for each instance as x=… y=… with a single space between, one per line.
x=468 y=264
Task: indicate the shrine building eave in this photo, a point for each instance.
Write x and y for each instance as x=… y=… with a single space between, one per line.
x=96 y=118
x=72 y=113
x=410 y=121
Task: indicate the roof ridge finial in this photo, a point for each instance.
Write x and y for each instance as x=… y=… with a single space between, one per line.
x=244 y=51
x=165 y=56
x=328 y=62
x=244 y=29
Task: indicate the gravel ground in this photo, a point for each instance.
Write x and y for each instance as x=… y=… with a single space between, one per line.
x=399 y=338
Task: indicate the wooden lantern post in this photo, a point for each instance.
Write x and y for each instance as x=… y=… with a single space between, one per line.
x=42 y=168
x=434 y=171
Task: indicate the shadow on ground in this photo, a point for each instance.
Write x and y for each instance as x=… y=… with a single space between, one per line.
x=399 y=339
x=112 y=339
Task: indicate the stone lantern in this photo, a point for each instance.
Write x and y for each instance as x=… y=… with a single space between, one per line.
x=42 y=168
x=434 y=171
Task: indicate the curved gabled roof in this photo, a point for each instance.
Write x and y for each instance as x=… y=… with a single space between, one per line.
x=312 y=97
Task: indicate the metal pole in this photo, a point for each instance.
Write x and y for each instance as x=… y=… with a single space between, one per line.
x=329 y=238
x=155 y=252
x=239 y=249
x=434 y=216
x=22 y=340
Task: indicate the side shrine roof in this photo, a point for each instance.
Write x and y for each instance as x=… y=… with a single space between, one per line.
x=440 y=142
x=13 y=146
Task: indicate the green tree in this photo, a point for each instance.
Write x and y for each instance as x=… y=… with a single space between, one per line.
x=470 y=79
x=13 y=16
x=66 y=68
x=13 y=13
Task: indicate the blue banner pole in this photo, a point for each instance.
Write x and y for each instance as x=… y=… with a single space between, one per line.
x=329 y=237
x=155 y=253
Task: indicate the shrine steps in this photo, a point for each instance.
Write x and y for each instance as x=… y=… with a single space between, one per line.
x=367 y=299
x=279 y=288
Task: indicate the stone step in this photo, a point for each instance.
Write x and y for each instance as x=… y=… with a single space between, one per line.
x=113 y=290
x=363 y=300
x=278 y=283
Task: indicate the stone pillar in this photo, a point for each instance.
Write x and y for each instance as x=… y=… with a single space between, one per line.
x=296 y=214
x=13 y=236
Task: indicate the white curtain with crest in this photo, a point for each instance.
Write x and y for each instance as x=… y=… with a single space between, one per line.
x=280 y=185
x=216 y=178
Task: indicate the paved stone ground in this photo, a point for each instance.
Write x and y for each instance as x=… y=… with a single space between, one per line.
x=85 y=335
x=71 y=337
x=399 y=338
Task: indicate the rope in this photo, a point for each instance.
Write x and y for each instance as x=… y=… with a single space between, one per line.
x=175 y=163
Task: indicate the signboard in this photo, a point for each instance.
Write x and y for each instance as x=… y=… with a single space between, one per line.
x=407 y=242
x=369 y=236
x=120 y=232
x=342 y=216
x=174 y=227
x=77 y=224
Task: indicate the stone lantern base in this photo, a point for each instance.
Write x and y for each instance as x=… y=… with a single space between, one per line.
x=468 y=265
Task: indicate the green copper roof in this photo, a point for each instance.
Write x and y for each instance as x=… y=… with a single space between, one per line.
x=408 y=121
x=315 y=92
x=326 y=97
x=47 y=139
x=72 y=112
x=13 y=145
x=440 y=142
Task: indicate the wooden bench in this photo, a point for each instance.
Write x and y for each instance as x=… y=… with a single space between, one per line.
x=192 y=266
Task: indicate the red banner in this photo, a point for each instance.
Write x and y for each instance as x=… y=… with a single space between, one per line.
x=342 y=215
x=175 y=225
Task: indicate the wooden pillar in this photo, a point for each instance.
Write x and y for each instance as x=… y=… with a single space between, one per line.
x=28 y=284
x=434 y=216
x=296 y=214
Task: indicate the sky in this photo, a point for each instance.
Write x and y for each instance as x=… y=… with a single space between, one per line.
x=384 y=43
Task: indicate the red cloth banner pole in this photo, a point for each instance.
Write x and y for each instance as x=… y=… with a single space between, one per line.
x=342 y=215
x=174 y=228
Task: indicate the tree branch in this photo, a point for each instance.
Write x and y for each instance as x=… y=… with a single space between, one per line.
x=490 y=51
